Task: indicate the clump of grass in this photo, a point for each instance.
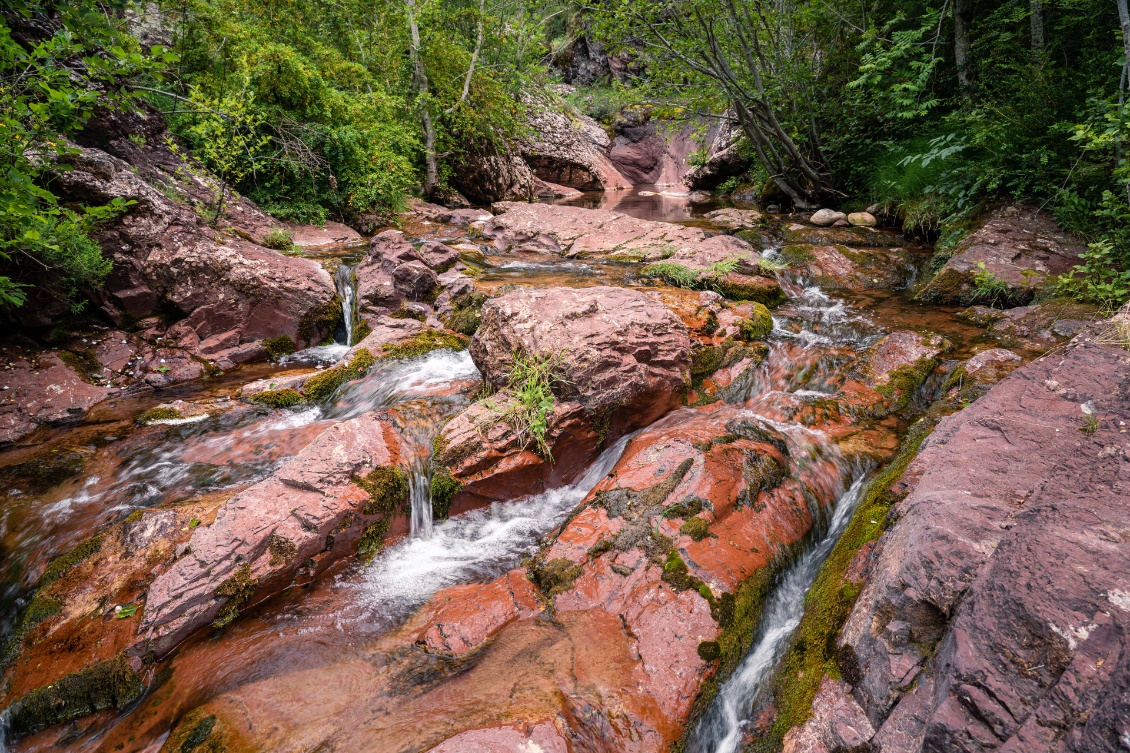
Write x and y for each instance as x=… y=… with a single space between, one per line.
x=1091 y=424
x=990 y=290
x=770 y=266
x=423 y=343
x=530 y=388
x=278 y=398
x=323 y=385
x=279 y=240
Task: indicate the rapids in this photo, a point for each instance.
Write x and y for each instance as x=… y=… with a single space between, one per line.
x=122 y=468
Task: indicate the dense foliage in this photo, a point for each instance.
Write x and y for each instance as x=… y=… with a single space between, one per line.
x=50 y=84
x=931 y=107
x=314 y=109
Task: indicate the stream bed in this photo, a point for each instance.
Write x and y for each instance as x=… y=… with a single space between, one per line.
x=71 y=482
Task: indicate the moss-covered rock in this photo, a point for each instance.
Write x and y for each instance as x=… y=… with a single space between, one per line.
x=279 y=346
x=387 y=487
x=322 y=386
x=443 y=489
x=423 y=343
x=758 y=325
x=320 y=322
x=111 y=684
x=278 y=398
x=158 y=414
x=238 y=590
x=466 y=315
x=697 y=528
x=750 y=288
x=555 y=576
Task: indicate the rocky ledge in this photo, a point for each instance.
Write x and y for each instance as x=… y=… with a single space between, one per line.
x=996 y=613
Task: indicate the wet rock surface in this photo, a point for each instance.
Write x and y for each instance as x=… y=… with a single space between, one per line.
x=994 y=617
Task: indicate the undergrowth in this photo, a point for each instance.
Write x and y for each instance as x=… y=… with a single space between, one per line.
x=530 y=383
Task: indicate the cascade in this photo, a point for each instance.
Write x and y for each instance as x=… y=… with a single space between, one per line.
x=345 y=280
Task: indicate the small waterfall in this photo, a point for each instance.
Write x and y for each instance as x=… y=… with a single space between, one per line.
x=345 y=279
x=720 y=730
x=420 y=498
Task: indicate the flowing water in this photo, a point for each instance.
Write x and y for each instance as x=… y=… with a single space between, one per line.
x=345 y=280
x=720 y=729
x=123 y=468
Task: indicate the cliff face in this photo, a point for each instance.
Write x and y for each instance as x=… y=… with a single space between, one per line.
x=996 y=615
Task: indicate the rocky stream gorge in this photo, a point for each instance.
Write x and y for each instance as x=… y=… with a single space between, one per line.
x=618 y=473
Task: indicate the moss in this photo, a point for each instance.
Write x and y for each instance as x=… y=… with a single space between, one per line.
x=439 y=444
x=278 y=398
x=746 y=288
x=830 y=599
x=758 y=325
x=555 y=576
x=697 y=528
x=373 y=539
x=279 y=346
x=796 y=256
x=84 y=362
x=282 y=550
x=361 y=330
x=111 y=684
x=323 y=385
x=387 y=487
x=689 y=506
x=406 y=313
x=61 y=565
x=443 y=489
x=425 y=342
x=320 y=320
x=238 y=590
x=197 y=733
x=158 y=414
x=709 y=650
x=904 y=381
x=707 y=360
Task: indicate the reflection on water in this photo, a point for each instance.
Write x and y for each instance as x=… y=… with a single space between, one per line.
x=660 y=203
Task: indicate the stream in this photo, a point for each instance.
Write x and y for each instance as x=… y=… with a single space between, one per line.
x=81 y=478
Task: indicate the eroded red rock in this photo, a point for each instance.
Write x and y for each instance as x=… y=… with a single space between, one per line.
x=466 y=616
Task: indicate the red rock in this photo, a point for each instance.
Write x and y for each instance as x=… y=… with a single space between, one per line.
x=576 y=232
x=857 y=269
x=736 y=219
x=622 y=356
x=996 y=616
x=900 y=350
x=438 y=256
x=467 y=616
x=311 y=503
x=569 y=150
x=1020 y=246
x=46 y=392
x=327 y=236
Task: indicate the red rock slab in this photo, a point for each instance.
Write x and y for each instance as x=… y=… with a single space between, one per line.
x=540 y=737
x=899 y=349
x=468 y=615
x=311 y=502
x=329 y=235
x=46 y=392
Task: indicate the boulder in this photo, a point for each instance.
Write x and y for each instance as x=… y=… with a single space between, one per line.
x=621 y=355
x=166 y=258
x=736 y=219
x=862 y=219
x=394 y=271
x=570 y=150
x=577 y=232
x=724 y=158
x=826 y=217
x=484 y=174
x=1017 y=246
x=855 y=269
x=308 y=514
x=438 y=256
x=996 y=615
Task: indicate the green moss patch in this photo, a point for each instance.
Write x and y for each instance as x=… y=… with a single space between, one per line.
x=423 y=343
x=387 y=487
x=278 y=398
x=407 y=313
x=320 y=321
x=904 y=381
x=697 y=528
x=443 y=489
x=323 y=385
x=466 y=316
x=84 y=362
x=158 y=414
x=62 y=564
x=279 y=346
x=813 y=654
x=238 y=590
x=196 y=733
x=758 y=325
x=555 y=576
x=111 y=684
x=373 y=539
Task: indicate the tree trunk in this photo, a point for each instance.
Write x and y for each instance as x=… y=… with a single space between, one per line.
x=1037 y=18
x=961 y=15
x=420 y=80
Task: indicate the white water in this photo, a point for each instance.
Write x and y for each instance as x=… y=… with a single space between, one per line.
x=720 y=730
x=476 y=546
x=400 y=381
x=346 y=282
